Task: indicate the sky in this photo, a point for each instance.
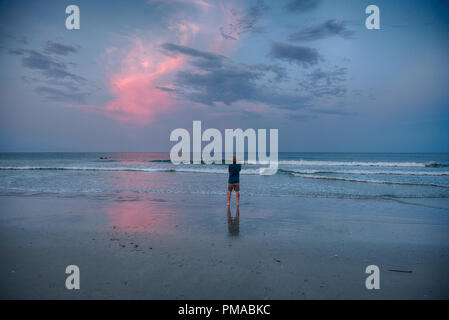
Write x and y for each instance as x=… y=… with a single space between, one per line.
x=136 y=70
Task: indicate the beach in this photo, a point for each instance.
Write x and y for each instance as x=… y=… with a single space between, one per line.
x=179 y=247
x=140 y=228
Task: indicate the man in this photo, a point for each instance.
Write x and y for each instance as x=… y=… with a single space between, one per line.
x=234 y=179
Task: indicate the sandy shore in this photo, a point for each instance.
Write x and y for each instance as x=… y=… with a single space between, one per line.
x=185 y=247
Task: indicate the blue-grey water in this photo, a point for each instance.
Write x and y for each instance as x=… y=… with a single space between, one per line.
x=345 y=175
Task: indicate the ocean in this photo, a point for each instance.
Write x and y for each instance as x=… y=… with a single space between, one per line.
x=339 y=175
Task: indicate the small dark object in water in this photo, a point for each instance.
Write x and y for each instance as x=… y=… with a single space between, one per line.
x=103 y=158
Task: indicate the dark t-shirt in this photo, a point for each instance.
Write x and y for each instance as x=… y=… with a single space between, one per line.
x=234 y=173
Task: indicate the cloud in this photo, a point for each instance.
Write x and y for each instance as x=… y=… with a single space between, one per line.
x=327 y=29
x=302 y=5
x=300 y=55
x=226 y=34
x=243 y=22
x=55 y=94
x=213 y=79
x=325 y=83
x=140 y=74
x=48 y=67
x=166 y=89
x=226 y=84
x=161 y=74
x=54 y=79
x=136 y=80
x=58 y=48
x=191 y=52
x=280 y=74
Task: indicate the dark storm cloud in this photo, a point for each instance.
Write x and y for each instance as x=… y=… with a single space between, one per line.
x=215 y=79
x=327 y=29
x=232 y=84
x=302 y=5
x=212 y=79
x=244 y=23
x=227 y=84
x=58 y=48
x=56 y=94
x=304 y=56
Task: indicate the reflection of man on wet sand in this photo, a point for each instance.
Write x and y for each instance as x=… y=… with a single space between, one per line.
x=233 y=223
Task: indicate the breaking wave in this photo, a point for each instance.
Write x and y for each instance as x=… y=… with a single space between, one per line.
x=159 y=169
x=137 y=169
x=370 y=181
x=431 y=164
x=362 y=172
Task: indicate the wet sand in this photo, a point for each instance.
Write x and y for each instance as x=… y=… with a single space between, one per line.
x=187 y=247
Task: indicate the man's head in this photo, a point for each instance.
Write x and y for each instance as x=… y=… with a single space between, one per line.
x=234 y=159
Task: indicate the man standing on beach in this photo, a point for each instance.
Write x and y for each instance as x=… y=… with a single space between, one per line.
x=234 y=179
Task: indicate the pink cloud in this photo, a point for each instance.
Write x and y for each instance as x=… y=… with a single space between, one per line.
x=134 y=87
x=137 y=71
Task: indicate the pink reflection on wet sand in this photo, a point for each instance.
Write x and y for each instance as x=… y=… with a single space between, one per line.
x=154 y=216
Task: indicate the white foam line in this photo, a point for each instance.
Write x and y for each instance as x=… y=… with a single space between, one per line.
x=356 y=164
x=371 y=181
x=362 y=172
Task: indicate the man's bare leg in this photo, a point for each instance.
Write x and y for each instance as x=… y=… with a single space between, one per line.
x=237 y=194
x=229 y=197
